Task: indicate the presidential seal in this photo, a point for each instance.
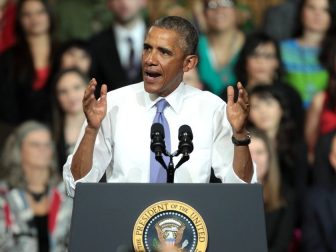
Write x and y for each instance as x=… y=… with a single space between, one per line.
x=170 y=226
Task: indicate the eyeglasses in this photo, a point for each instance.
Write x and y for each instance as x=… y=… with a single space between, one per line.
x=220 y=3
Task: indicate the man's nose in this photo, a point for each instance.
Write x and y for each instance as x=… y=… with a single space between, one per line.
x=150 y=58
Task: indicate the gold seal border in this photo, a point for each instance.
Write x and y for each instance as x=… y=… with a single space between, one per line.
x=170 y=205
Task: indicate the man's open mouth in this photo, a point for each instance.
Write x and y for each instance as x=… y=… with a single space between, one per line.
x=152 y=74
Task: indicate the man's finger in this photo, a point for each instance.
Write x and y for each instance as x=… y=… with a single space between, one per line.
x=90 y=88
x=230 y=95
x=242 y=93
x=244 y=105
x=103 y=90
x=88 y=100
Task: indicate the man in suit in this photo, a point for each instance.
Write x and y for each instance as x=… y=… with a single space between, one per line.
x=117 y=50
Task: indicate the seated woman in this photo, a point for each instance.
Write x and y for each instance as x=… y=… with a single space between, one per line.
x=279 y=200
x=68 y=115
x=39 y=212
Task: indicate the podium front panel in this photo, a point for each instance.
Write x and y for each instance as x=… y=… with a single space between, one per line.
x=105 y=214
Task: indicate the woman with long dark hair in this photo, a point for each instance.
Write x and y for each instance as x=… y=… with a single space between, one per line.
x=25 y=68
x=259 y=63
x=300 y=54
x=279 y=201
x=68 y=116
x=271 y=114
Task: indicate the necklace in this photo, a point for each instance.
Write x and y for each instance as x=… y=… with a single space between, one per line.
x=38 y=196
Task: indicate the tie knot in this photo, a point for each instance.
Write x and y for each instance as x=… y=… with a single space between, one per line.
x=161 y=105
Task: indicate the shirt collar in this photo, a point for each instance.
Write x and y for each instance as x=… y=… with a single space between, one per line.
x=175 y=99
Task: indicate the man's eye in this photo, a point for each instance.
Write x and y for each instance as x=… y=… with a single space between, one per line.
x=166 y=53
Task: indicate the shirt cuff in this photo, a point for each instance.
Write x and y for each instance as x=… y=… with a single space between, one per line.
x=69 y=181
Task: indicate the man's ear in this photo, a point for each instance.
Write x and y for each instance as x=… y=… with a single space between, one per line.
x=190 y=62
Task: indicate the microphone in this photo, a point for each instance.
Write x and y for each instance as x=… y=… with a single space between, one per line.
x=185 y=146
x=158 y=145
x=185 y=136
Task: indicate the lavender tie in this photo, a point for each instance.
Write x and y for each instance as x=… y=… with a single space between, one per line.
x=157 y=173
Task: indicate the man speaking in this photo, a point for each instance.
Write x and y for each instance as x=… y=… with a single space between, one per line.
x=116 y=135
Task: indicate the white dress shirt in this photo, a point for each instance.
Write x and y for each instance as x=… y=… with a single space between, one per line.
x=137 y=34
x=122 y=147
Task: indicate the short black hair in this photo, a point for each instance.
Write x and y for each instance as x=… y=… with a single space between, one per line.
x=184 y=28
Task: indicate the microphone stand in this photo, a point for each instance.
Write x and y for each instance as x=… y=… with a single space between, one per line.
x=171 y=169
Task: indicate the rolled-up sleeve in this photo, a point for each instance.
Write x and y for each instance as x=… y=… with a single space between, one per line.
x=223 y=150
x=102 y=156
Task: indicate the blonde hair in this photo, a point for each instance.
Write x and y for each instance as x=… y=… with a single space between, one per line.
x=11 y=170
x=272 y=193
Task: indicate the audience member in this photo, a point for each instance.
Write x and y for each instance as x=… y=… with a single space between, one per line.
x=220 y=46
x=68 y=115
x=319 y=223
x=270 y=113
x=279 y=199
x=74 y=53
x=259 y=63
x=117 y=50
x=25 y=68
x=300 y=54
x=321 y=116
x=38 y=211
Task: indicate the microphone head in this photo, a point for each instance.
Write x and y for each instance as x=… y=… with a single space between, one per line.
x=185 y=129
x=157 y=128
x=185 y=137
x=158 y=145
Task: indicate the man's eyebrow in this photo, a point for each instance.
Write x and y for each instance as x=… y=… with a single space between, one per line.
x=165 y=50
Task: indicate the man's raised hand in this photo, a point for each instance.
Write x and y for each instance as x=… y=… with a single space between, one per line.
x=237 y=112
x=95 y=110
